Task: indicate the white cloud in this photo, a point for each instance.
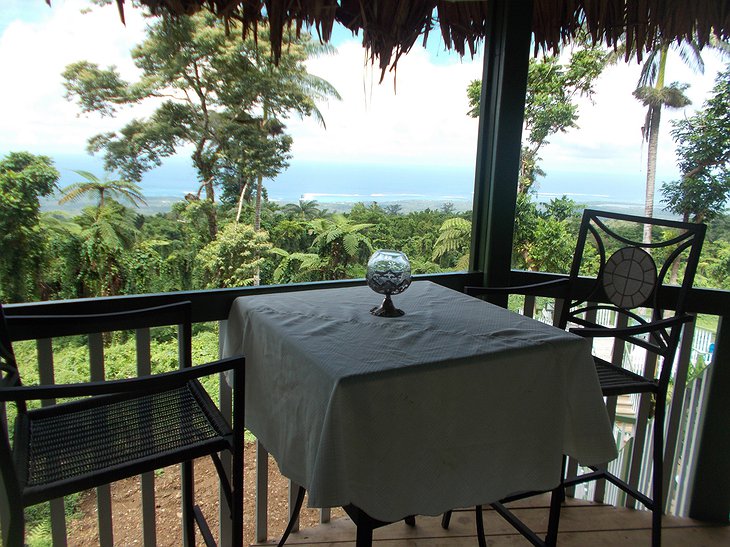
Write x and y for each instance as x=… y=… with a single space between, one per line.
x=609 y=137
x=423 y=121
x=419 y=118
x=32 y=56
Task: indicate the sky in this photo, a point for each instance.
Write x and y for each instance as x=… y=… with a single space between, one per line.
x=418 y=120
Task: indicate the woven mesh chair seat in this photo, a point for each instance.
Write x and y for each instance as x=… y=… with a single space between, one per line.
x=81 y=439
x=618 y=381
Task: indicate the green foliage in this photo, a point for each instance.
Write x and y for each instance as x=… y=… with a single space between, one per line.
x=703 y=151
x=453 y=241
x=232 y=259
x=61 y=270
x=297 y=267
x=341 y=244
x=714 y=268
x=38 y=521
x=106 y=234
x=545 y=237
x=550 y=107
x=24 y=178
x=224 y=99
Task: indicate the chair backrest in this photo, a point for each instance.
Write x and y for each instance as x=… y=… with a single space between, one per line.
x=626 y=278
x=8 y=366
x=170 y=314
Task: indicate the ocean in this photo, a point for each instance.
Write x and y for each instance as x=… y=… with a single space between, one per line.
x=338 y=185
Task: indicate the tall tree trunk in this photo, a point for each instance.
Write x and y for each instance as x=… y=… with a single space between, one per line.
x=651 y=168
x=653 y=129
x=257 y=215
x=259 y=189
x=257 y=223
x=212 y=217
x=240 y=201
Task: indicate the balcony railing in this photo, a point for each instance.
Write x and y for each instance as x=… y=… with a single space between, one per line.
x=685 y=410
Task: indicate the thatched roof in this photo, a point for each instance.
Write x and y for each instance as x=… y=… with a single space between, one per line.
x=391 y=27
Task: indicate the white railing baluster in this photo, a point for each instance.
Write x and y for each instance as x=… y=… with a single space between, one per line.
x=46 y=375
x=675 y=487
x=147 y=480
x=103 y=493
x=699 y=389
x=559 y=303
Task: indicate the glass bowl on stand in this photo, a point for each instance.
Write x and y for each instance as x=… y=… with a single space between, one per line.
x=389 y=273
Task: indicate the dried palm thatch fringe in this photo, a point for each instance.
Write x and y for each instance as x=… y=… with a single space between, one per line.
x=391 y=27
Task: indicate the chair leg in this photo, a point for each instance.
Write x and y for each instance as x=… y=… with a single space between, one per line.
x=188 y=502
x=294 y=516
x=446 y=519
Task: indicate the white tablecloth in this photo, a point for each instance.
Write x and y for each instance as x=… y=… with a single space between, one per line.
x=456 y=403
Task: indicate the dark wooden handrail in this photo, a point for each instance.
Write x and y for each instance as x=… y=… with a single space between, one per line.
x=208 y=305
x=213 y=304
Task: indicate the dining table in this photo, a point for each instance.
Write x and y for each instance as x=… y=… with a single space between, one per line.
x=456 y=403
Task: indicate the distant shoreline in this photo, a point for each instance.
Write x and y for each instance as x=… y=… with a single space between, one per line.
x=163 y=204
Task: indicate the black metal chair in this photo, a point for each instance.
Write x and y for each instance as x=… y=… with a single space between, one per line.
x=119 y=428
x=625 y=281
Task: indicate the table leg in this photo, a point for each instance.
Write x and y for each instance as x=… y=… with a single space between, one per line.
x=480 y=526
x=364 y=535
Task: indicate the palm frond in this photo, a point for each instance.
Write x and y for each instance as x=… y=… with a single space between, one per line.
x=351 y=243
x=89 y=176
x=74 y=192
x=691 y=55
x=673 y=96
x=649 y=69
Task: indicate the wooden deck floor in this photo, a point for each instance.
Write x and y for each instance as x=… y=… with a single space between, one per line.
x=581 y=525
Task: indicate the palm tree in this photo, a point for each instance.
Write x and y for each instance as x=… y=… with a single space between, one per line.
x=653 y=94
x=340 y=243
x=106 y=234
x=304 y=210
x=119 y=189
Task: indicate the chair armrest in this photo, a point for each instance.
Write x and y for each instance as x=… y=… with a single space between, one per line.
x=608 y=332
x=533 y=288
x=144 y=384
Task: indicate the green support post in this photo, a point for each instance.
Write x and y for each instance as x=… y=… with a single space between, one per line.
x=504 y=85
